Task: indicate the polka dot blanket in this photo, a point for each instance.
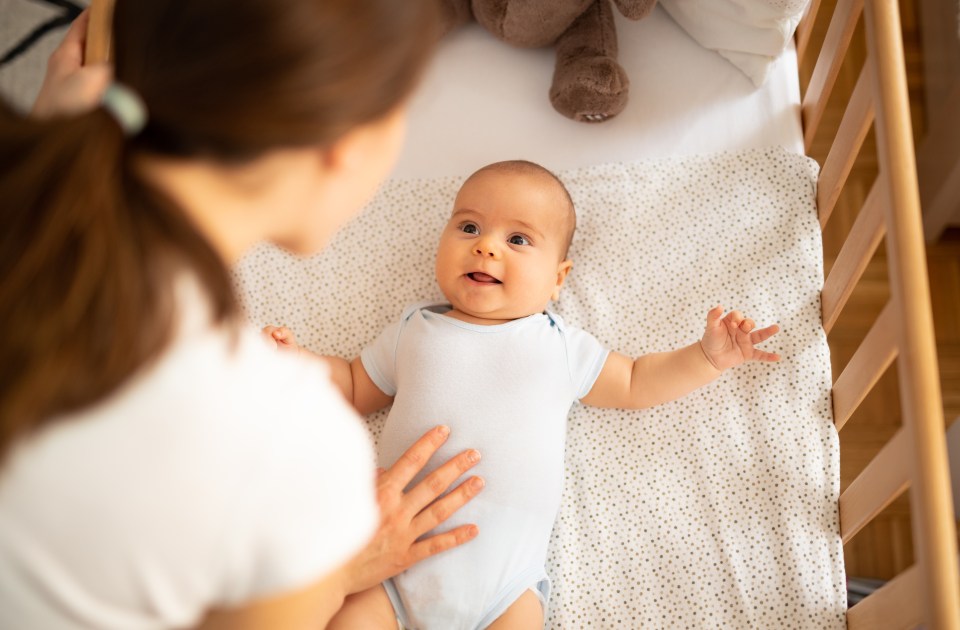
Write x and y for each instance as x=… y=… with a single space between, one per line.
x=718 y=510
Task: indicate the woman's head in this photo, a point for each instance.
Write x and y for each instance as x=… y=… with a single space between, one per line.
x=231 y=79
x=89 y=247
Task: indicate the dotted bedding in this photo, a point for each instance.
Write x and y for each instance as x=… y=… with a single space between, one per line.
x=715 y=510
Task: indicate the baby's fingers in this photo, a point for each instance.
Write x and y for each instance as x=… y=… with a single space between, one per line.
x=282 y=334
x=759 y=336
x=760 y=355
x=733 y=319
x=714 y=315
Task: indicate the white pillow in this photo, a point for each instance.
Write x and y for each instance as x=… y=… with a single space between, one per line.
x=751 y=34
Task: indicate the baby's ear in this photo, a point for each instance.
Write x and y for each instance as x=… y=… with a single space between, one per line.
x=562 y=270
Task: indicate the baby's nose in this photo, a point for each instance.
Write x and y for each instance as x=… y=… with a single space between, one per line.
x=486 y=247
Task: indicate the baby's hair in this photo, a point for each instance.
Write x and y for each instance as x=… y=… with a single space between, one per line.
x=525 y=167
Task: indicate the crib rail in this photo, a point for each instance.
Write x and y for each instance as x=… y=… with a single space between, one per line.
x=928 y=593
x=99 y=42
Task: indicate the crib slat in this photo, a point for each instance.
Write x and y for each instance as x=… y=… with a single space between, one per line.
x=805 y=28
x=856 y=122
x=875 y=354
x=855 y=255
x=896 y=604
x=839 y=34
x=99 y=41
x=883 y=480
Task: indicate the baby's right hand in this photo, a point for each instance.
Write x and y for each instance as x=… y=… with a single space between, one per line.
x=283 y=337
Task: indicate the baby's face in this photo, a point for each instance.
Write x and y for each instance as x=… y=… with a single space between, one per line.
x=501 y=254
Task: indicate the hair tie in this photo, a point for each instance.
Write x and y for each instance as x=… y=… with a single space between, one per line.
x=126 y=107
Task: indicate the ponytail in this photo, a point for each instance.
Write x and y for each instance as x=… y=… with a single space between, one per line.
x=88 y=257
x=89 y=253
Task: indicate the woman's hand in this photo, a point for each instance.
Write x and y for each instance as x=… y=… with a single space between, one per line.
x=70 y=87
x=405 y=517
x=729 y=341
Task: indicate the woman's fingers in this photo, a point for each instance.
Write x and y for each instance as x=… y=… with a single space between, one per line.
x=441 y=509
x=441 y=542
x=438 y=481
x=76 y=35
x=414 y=459
x=69 y=87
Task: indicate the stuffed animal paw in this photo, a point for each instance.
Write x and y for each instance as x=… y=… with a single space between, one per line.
x=589 y=85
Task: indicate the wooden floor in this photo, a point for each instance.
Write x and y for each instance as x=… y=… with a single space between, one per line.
x=884 y=547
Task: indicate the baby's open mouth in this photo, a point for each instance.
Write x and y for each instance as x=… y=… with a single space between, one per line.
x=479 y=276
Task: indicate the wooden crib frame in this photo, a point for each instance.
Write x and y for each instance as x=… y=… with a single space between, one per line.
x=916 y=458
x=927 y=593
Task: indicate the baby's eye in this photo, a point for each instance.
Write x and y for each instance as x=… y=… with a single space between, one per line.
x=469 y=228
x=518 y=239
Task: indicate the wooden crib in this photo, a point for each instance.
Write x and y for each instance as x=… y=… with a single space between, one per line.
x=929 y=592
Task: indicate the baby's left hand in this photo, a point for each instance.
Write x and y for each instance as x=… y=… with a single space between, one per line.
x=283 y=337
x=729 y=341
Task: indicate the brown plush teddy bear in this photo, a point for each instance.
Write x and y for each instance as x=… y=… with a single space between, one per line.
x=588 y=83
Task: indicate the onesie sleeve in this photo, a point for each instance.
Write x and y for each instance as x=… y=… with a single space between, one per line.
x=585 y=359
x=379 y=359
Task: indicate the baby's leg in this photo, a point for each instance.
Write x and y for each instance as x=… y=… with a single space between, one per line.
x=524 y=614
x=368 y=609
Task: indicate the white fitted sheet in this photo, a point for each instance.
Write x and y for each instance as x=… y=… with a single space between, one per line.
x=483 y=101
x=717 y=510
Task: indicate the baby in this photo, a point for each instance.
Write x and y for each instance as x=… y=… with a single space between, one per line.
x=503 y=372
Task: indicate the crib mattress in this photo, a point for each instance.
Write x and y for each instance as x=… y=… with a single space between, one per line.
x=716 y=510
x=483 y=101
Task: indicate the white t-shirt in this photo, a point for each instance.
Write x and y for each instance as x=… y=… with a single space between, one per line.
x=224 y=472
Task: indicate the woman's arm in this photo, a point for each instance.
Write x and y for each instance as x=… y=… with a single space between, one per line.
x=309 y=608
x=397 y=545
x=660 y=377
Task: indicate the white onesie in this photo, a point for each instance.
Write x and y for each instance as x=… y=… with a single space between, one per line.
x=504 y=390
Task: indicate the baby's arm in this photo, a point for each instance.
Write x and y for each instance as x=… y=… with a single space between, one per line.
x=660 y=377
x=349 y=376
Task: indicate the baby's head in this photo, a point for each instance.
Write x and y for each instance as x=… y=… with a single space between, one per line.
x=503 y=253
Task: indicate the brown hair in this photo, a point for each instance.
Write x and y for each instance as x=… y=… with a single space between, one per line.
x=525 y=167
x=89 y=252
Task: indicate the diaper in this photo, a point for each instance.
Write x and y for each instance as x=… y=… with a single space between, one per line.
x=535 y=580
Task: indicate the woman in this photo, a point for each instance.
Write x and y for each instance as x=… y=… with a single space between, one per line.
x=161 y=467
